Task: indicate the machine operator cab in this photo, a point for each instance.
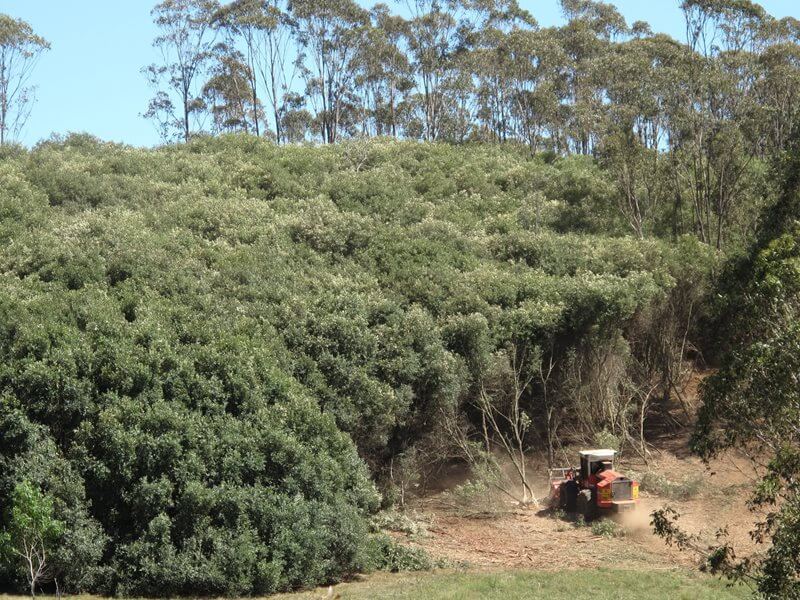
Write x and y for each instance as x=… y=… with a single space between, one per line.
x=594 y=462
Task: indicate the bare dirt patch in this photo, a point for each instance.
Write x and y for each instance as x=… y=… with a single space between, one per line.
x=710 y=498
x=537 y=539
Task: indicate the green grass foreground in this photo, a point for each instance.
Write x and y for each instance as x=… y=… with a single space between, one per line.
x=602 y=584
x=574 y=585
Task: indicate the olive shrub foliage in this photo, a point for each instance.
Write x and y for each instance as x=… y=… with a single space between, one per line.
x=209 y=353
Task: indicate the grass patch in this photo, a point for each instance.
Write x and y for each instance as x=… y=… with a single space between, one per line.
x=601 y=584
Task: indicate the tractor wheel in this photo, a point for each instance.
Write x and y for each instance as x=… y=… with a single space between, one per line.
x=585 y=505
x=568 y=496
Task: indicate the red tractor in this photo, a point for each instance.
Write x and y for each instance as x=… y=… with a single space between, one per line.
x=594 y=489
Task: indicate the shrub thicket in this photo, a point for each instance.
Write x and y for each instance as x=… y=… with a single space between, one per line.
x=198 y=342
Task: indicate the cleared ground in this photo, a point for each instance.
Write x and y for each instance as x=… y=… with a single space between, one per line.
x=534 y=553
x=709 y=498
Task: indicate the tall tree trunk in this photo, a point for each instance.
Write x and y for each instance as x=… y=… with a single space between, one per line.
x=393 y=124
x=253 y=80
x=275 y=103
x=255 y=108
x=185 y=118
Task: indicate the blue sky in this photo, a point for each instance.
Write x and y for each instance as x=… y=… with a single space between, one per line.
x=91 y=82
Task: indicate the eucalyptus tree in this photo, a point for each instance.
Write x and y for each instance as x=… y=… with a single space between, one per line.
x=777 y=88
x=385 y=74
x=432 y=44
x=239 y=21
x=714 y=121
x=186 y=43
x=539 y=87
x=20 y=50
x=296 y=120
x=591 y=29
x=640 y=75
x=459 y=102
x=331 y=32
x=266 y=30
x=228 y=93
x=492 y=60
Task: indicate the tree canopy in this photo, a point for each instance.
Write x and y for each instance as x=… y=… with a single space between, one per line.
x=20 y=49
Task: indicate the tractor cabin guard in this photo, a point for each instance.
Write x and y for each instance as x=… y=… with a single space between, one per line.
x=595 y=489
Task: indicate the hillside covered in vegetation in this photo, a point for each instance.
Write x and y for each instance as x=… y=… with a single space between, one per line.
x=389 y=242
x=218 y=359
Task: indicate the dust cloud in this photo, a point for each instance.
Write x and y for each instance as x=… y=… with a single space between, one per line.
x=636 y=523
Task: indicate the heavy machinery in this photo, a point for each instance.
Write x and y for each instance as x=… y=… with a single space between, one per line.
x=595 y=488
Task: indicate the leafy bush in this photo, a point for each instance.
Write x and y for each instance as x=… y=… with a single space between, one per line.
x=471 y=496
x=411 y=524
x=606 y=439
x=479 y=494
x=686 y=488
x=607 y=528
x=386 y=554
